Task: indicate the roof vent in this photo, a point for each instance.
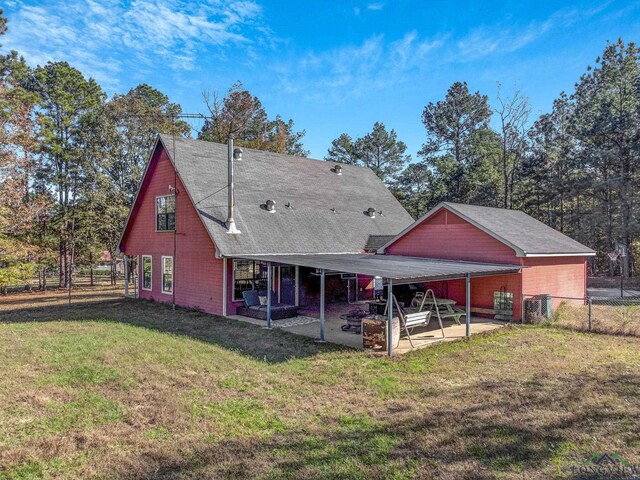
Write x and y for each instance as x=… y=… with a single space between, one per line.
x=333 y=209
x=338 y=169
x=271 y=206
x=237 y=154
x=288 y=205
x=371 y=212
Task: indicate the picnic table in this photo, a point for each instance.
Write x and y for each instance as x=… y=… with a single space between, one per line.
x=446 y=308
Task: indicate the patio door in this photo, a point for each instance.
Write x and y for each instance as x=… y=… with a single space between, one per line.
x=288 y=284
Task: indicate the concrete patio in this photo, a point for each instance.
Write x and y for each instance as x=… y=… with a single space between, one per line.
x=308 y=324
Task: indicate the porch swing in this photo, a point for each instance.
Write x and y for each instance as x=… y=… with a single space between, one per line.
x=421 y=318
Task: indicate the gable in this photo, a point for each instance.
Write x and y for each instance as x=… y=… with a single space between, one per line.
x=446 y=235
x=524 y=234
x=317 y=211
x=140 y=228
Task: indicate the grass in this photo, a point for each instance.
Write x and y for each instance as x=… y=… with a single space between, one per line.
x=614 y=317
x=118 y=388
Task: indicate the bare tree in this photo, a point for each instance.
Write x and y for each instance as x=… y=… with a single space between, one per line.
x=513 y=119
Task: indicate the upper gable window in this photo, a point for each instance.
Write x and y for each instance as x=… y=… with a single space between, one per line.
x=166 y=213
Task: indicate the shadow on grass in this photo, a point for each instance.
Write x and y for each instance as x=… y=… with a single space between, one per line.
x=495 y=439
x=272 y=346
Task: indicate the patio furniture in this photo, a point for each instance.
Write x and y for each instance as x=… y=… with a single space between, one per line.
x=410 y=321
x=445 y=307
x=354 y=320
x=254 y=309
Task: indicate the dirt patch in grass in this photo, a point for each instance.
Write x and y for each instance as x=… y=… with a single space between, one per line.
x=130 y=389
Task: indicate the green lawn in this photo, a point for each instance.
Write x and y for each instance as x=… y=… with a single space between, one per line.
x=129 y=389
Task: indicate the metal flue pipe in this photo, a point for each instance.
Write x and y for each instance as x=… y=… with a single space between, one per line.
x=231 y=224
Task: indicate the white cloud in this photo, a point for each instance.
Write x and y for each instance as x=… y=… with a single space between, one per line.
x=104 y=37
x=375 y=6
x=355 y=70
x=485 y=40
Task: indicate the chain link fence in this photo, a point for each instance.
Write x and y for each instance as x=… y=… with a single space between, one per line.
x=614 y=315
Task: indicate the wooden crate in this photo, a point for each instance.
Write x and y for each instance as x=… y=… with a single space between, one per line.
x=374 y=332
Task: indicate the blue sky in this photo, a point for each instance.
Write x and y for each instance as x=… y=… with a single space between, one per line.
x=331 y=66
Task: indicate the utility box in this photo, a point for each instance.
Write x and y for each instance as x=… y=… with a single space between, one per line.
x=538 y=308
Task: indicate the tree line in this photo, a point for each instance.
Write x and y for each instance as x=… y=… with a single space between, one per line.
x=71 y=158
x=576 y=168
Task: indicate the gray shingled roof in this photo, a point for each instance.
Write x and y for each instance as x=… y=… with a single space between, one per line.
x=310 y=186
x=526 y=235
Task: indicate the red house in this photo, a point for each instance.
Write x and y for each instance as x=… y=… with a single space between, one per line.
x=554 y=263
x=210 y=222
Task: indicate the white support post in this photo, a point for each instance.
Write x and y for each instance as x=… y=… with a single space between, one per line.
x=297 y=286
x=390 y=319
x=126 y=276
x=322 y=305
x=468 y=309
x=269 y=278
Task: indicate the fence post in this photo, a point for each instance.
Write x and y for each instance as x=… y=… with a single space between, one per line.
x=589 y=313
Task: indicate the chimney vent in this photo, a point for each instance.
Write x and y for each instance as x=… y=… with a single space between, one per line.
x=237 y=154
x=271 y=206
x=231 y=198
x=338 y=169
x=371 y=212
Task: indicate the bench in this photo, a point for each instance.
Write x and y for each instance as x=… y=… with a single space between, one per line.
x=412 y=320
x=456 y=315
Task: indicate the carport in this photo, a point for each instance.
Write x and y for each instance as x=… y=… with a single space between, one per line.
x=393 y=269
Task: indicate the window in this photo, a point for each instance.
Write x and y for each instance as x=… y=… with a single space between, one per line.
x=166 y=213
x=146 y=272
x=167 y=274
x=248 y=275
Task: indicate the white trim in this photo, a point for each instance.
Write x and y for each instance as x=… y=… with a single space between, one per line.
x=175 y=206
x=224 y=287
x=173 y=278
x=534 y=255
x=150 y=257
x=519 y=252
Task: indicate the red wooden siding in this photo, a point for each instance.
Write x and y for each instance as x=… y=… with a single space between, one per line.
x=557 y=276
x=482 y=290
x=197 y=273
x=447 y=236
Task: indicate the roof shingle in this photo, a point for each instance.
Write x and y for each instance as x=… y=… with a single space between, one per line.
x=310 y=187
x=526 y=235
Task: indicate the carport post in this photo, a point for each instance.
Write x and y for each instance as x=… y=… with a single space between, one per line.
x=126 y=276
x=468 y=309
x=322 y=304
x=269 y=270
x=390 y=319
